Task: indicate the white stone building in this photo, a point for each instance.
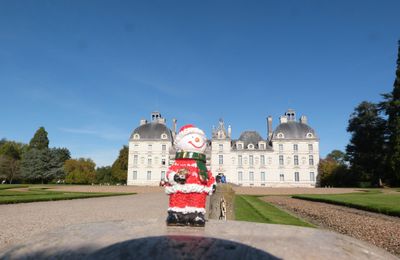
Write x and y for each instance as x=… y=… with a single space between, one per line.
x=287 y=157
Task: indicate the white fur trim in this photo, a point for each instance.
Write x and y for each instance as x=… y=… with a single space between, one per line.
x=187 y=210
x=190 y=130
x=188 y=188
x=170 y=177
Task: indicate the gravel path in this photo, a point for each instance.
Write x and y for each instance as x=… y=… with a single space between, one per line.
x=23 y=221
x=380 y=230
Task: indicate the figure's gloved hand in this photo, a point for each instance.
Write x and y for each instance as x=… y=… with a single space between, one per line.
x=180 y=177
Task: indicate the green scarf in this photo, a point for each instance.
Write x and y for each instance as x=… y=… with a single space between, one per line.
x=200 y=159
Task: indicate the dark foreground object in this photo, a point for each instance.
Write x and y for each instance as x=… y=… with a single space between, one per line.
x=188 y=219
x=152 y=239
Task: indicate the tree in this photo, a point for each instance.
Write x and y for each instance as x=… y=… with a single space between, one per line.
x=391 y=107
x=10 y=155
x=80 y=171
x=333 y=170
x=338 y=156
x=58 y=156
x=9 y=168
x=366 y=150
x=40 y=140
x=104 y=175
x=35 y=165
x=119 y=168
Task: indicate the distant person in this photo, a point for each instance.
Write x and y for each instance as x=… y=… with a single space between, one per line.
x=223 y=179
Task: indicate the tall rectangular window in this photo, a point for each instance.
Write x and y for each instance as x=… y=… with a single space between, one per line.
x=220 y=159
x=134 y=175
x=295 y=147
x=163 y=162
x=164 y=147
x=310 y=147
x=251 y=160
x=149 y=147
x=262 y=159
x=280 y=147
x=148 y=175
x=135 y=159
x=281 y=177
x=262 y=176
x=251 y=176
x=312 y=176
x=162 y=174
x=311 y=160
x=280 y=159
x=240 y=160
x=296 y=176
x=149 y=161
x=221 y=147
x=240 y=176
x=296 y=160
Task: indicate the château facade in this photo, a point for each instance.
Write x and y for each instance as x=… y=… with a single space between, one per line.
x=287 y=157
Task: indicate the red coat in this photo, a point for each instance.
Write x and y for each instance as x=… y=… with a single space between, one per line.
x=191 y=196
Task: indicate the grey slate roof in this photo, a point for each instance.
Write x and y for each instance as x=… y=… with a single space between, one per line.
x=250 y=137
x=293 y=130
x=152 y=131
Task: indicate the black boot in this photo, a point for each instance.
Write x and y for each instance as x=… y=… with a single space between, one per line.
x=172 y=219
x=198 y=220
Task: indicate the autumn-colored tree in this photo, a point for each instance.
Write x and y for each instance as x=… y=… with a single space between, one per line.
x=80 y=171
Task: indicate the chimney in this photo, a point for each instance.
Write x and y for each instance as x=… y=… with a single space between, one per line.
x=269 y=127
x=229 y=131
x=143 y=121
x=174 y=126
x=303 y=119
x=283 y=119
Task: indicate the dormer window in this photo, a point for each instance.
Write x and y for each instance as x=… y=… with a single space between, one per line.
x=310 y=135
x=250 y=146
x=280 y=135
x=136 y=136
x=239 y=146
x=163 y=136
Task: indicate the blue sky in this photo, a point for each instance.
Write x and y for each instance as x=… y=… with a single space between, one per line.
x=88 y=71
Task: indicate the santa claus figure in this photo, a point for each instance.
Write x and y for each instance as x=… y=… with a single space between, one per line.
x=188 y=181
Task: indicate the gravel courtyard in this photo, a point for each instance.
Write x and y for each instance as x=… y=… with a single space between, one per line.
x=377 y=229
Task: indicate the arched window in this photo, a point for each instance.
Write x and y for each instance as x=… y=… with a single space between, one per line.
x=136 y=136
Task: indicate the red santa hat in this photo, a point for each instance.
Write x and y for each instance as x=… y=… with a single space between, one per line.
x=188 y=129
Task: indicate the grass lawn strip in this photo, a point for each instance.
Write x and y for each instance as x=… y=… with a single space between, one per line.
x=12 y=186
x=370 y=200
x=251 y=208
x=42 y=194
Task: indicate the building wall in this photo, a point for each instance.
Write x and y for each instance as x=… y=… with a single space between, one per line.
x=253 y=172
x=148 y=161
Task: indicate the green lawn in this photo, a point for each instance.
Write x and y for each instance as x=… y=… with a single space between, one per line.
x=251 y=208
x=8 y=196
x=12 y=186
x=370 y=200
